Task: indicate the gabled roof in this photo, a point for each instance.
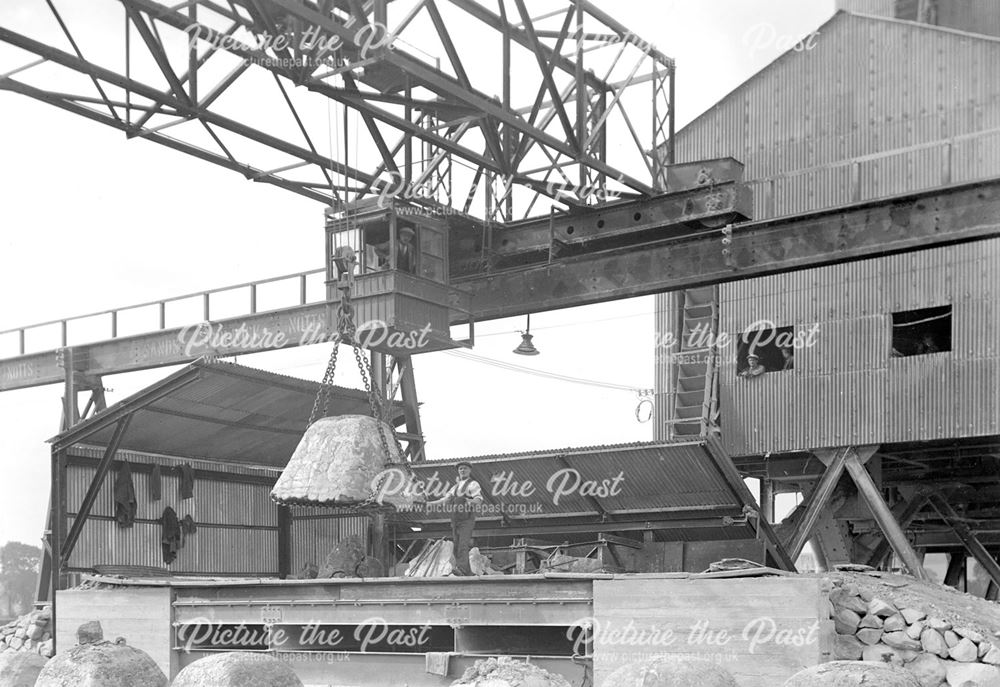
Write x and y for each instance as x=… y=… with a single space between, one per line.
x=217 y=411
x=838 y=18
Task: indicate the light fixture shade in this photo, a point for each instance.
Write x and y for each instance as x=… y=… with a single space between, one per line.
x=337 y=462
x=526 y=347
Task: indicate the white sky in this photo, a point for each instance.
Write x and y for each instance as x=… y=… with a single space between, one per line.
x=90 y=221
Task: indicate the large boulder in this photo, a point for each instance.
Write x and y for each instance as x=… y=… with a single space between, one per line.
x=669 y=671
x=344 y=558
x=20 y=668
x=238 y=669
x=101 y=664
x=959 y=674
x=852 y=674
x=929 y=670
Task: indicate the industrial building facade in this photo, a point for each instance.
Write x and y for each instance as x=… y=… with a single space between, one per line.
x=878 y=108
x=898 y=352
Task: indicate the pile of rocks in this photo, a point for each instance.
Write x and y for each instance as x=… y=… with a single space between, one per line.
x=936 y=650
x=507 y=672
x=30 y=632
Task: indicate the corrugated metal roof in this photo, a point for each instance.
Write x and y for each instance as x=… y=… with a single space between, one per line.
x=679 y=480
x=601 y=448
x=217 y=411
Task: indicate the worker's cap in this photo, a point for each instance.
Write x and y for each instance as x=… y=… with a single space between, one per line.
x=403 y=230
x=468 y=465
x=753 y=356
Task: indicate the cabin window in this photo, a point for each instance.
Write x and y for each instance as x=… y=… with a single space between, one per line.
x=765 y=350
x=920 y=332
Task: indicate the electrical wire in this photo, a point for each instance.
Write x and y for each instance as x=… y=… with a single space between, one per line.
x=543 y=374
x=511 y=367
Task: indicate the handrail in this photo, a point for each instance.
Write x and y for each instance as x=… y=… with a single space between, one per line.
x=162 y=303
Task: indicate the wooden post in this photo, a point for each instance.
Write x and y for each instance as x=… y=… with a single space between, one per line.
x=380 y=540
x=94 y=488
x=57 y=525
x=284 y=542
x=520 y=556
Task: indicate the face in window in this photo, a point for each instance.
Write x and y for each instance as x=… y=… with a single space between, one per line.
x=788 y=356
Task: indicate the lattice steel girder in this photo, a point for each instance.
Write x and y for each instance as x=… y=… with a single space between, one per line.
x=905 y=223
x=448 y=86
x=508 y=134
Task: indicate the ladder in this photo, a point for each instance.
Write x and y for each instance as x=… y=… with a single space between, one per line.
x=694 y=368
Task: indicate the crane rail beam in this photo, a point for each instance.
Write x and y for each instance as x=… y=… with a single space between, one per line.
x=904 y=223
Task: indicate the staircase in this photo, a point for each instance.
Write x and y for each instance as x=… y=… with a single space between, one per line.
x=694 y=368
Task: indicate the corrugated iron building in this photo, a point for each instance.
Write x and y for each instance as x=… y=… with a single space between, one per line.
x=237 y=521
x=848 y=388
x=877 y=108
x=974 y=16
x=235 y=427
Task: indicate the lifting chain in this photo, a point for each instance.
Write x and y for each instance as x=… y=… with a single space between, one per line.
x=346 y=333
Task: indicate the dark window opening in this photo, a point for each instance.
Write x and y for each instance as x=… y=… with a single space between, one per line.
x=920 y=332
x=765 y=350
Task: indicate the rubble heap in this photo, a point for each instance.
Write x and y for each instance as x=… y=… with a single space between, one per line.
x=506 y=672
x=943 y=637
x=30 y=632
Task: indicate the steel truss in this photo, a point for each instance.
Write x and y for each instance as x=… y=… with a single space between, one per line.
x=197 y=76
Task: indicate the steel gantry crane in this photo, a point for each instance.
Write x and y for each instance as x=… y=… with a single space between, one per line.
x=543 y=142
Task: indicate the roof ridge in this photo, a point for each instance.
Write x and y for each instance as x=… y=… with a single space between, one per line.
x=923 y=25
x=835 y=16
x=571 y=449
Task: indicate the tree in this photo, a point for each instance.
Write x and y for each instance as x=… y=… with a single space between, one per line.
x=18 y=573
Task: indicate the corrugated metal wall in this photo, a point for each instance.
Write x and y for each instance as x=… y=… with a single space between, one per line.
x=666 y=347
x=237 y=523
x=867 y=88
x=847 y=389
x=315 y=533
x=877 y=108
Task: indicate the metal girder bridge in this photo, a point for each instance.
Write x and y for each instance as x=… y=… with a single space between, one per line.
x=443 y=124
x=684 y=253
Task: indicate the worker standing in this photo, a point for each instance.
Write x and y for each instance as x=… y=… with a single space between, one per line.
x=462 y=500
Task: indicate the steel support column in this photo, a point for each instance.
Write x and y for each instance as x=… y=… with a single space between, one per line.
x=411 y=408
x=884 y=517
x=967 y=536
x=767 y=499
x=734 y=480
x=904 y=517
x=955 y=573
x=818 y=499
